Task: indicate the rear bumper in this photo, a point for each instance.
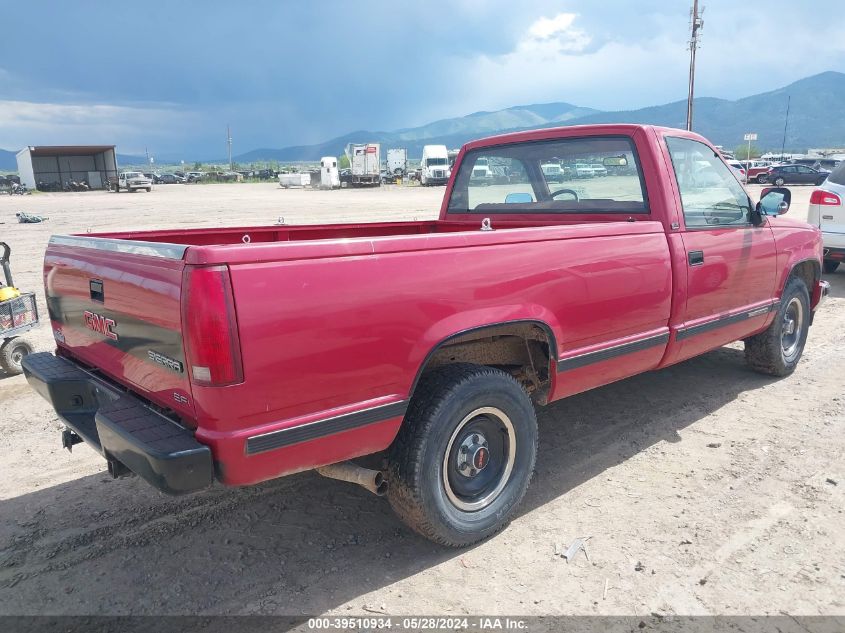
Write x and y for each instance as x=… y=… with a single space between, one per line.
x=834 y=253
x=121 y=427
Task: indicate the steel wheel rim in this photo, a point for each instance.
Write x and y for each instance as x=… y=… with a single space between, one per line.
x=793 y=324
x=501 y=452
x=17 y=355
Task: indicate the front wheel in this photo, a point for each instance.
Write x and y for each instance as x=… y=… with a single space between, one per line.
x=777 y=350
x=465 y=454
x=12 y=353
x=830 y=266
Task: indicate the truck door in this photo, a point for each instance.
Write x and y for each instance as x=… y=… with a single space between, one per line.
x=731 y=264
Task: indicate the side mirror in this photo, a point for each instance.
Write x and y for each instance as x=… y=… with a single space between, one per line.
x=774 y=201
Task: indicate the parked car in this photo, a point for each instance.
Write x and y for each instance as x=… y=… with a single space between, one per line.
x=796 y=175
x=583 y=170
x=827 y=211
x=196 y=176
x=170 y=179
x=598 y=169
x=425 y=344
x=552 y=172
x=757 y=170
x=132 y=181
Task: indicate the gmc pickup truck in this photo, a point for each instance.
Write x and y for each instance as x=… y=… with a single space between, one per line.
x=239 y=355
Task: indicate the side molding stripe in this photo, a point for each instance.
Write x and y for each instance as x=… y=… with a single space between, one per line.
x=322 y=428
x=612 y=352
x=725 y=321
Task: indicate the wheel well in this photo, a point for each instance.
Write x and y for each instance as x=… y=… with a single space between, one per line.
x=523 y=349
x=807 y=271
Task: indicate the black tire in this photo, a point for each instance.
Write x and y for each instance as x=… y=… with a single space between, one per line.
x=762 y=179
x=117 y=188
x=429 y=488
x=778 y=182
x=830 y=266
x=12 y=353
x=777 y=350
x=149 y=189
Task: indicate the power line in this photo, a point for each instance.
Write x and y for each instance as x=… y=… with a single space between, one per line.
x=696 y=24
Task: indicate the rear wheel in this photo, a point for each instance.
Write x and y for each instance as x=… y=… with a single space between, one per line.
x=830 y=266
x=762 y=179
x=777 y=350
x=779 y=181
x=12 y=353
x=465 y=454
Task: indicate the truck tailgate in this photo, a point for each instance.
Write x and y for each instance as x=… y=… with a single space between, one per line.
x=115 y=305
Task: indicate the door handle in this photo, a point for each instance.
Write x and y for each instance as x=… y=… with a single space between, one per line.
x=696 y=258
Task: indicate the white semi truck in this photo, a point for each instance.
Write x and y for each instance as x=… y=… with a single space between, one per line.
x=397 y=161
x=434 y=167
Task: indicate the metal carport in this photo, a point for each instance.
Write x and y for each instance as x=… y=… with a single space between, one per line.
x=47 y=166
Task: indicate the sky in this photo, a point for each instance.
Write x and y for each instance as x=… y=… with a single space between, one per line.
x=170 y=77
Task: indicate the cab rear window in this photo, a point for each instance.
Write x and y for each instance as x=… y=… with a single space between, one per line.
x=595 y=174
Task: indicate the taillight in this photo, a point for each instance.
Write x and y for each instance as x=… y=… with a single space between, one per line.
x=825 y=198
x=210 y=327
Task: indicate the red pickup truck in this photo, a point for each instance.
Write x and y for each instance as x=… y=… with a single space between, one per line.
x=244 y=354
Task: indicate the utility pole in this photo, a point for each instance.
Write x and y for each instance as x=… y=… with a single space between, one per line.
x=229 y=144
x=785 y=123
x=696 y=24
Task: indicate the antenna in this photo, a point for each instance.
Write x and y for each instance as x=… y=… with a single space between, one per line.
x=696 y=24
x=785 y=123
x=229 y=145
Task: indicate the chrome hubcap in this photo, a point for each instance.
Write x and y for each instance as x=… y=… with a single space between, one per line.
x=793 y=322
x=479 y=459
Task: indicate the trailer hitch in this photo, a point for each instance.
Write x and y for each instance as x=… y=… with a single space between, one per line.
x=69 y=438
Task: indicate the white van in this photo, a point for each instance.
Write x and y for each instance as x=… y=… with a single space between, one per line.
x=434 y=167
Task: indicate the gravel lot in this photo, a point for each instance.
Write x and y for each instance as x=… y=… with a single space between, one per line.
x=705 y=488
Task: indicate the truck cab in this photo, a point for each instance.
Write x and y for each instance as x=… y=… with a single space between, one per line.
x=434 y=166
x=132 y=181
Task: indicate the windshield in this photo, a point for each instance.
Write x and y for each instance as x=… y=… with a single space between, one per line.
x=435 y=161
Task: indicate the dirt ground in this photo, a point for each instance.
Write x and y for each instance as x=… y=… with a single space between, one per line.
x=705 y=488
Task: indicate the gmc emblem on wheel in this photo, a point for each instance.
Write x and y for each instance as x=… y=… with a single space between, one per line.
x=100 y=324
x=166 y=361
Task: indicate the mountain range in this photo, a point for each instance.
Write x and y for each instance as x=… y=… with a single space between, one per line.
x=816 y=106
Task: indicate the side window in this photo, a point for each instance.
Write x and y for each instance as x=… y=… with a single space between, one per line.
x=710 y=193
